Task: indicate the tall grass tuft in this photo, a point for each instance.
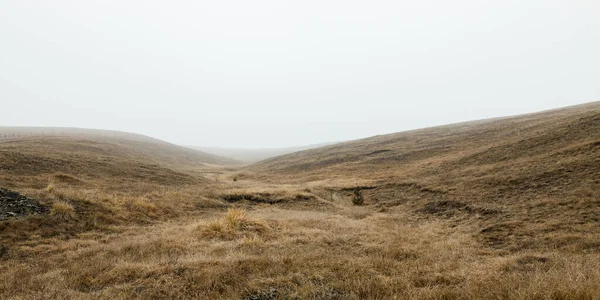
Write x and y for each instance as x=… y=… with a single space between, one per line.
x=62 y=210
x=233 y=224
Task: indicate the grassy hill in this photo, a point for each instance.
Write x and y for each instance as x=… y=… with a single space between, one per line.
x=79 y=161
x=534 y=137
x=495 y=209
x=133 y=145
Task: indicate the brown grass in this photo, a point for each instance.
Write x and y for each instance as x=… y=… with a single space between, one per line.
x=461 y=212
x=315 y=255
x=233 y=224
x=62 y=210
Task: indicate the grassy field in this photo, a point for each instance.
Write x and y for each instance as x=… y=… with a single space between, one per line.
x=498 y=209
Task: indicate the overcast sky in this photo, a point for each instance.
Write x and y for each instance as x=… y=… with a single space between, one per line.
x=283 y=73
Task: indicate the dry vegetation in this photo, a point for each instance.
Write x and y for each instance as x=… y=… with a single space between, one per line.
x=505 y=209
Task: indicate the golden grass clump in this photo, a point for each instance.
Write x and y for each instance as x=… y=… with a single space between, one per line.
x=235 y=218
x=50 y=188
x=233 y=224
x=62 y=210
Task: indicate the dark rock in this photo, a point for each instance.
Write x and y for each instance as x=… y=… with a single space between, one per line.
x=14 y=205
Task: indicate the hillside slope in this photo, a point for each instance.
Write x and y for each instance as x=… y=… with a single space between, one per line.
x=151 y=148
x=524 y=182
x=536 y=141
x=30 y=159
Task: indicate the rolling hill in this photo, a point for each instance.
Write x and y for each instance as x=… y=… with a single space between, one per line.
x=523 y=182
x=148 y=147
x=558 y=145
x=29 y=155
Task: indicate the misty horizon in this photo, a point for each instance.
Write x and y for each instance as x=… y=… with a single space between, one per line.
x=268 y=75
x=215 y=149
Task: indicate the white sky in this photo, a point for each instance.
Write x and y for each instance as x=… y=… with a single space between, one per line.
x=282 y=73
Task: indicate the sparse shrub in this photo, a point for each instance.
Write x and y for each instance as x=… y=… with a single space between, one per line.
x=62 y=210
x=358 y=198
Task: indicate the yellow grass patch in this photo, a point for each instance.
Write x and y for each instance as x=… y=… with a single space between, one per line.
x=62 y=210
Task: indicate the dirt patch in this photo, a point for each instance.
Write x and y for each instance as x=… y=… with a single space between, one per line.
x=14 y=205
x=450 y=208
x=267 y=198
x=378 y=152
x=358 y=188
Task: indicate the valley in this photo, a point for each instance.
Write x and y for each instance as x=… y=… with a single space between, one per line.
x=505 y=208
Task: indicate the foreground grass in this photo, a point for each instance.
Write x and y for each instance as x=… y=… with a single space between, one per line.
x=250 y=240
x=272 y=253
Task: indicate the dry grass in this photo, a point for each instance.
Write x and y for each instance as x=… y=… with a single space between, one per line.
x=234 y=224
x=446 y=215
x=62 y=210
x=318 y=255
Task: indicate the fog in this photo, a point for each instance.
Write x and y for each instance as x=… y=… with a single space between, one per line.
x=257 y=74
